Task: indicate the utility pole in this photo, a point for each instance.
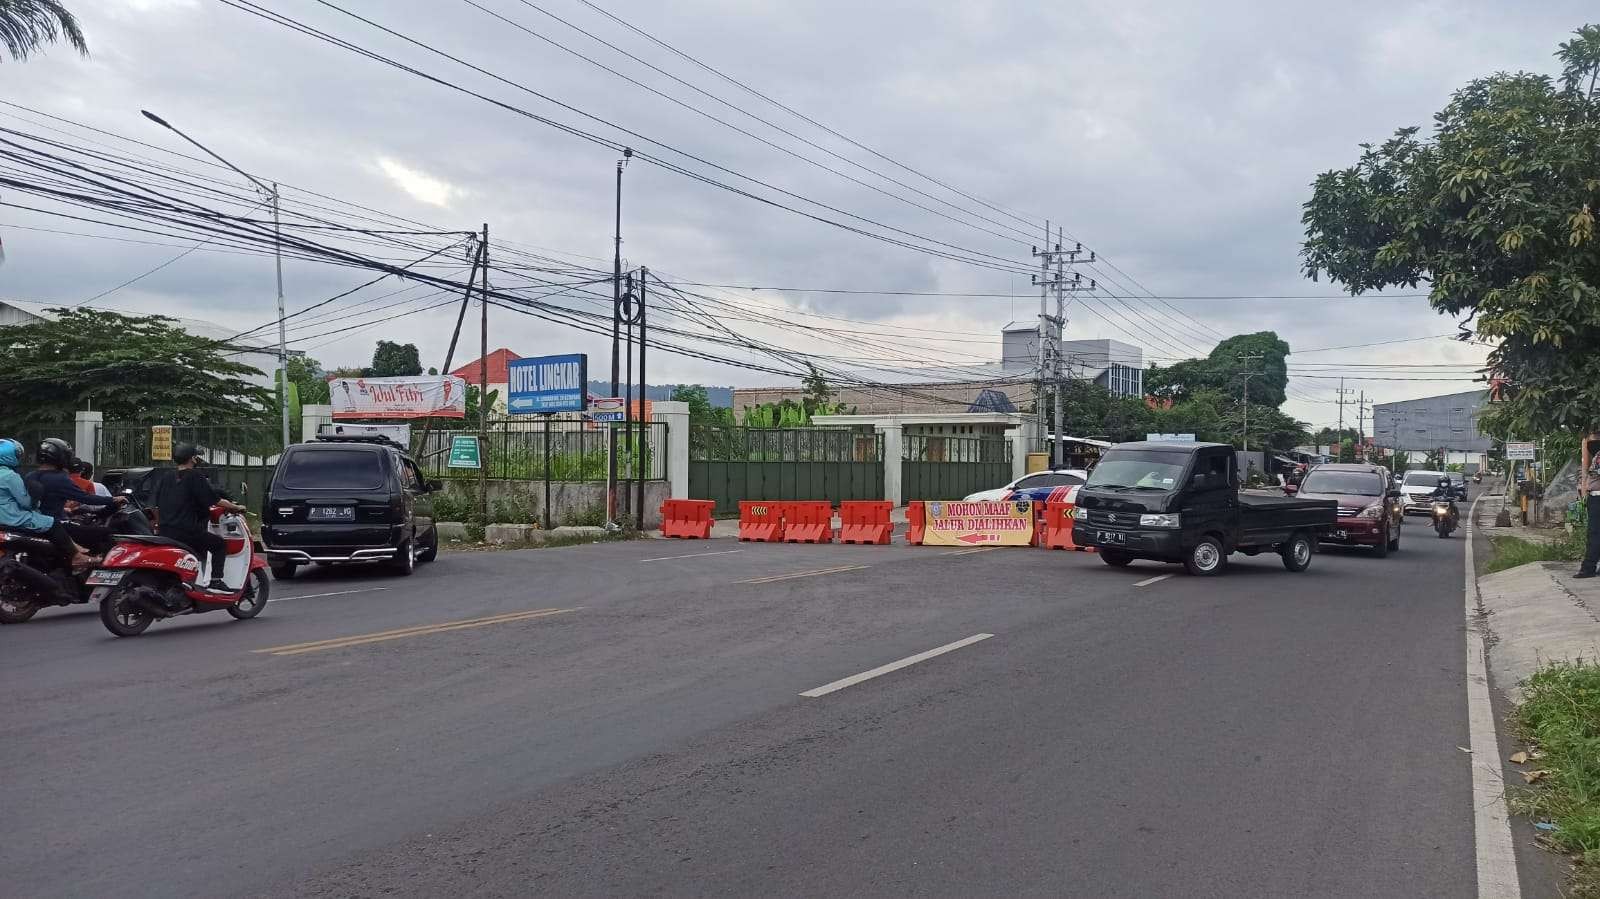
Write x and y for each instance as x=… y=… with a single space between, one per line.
x=616 y=339
x=483 y=386
x=1244 y=398
x=1050 y=356
x=1342 y=402
x=271 y=193
x=1361 y=426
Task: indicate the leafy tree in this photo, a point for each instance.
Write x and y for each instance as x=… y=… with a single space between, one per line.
x=818 y=392
x=1223 y=370
x=474 y=401
x=132 y=368
x=309 y=379
x=1496 y=210
x=701 y=412
x=395 y=360
x=27 y=25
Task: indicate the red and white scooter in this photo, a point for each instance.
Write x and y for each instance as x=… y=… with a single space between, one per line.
x=145 y=578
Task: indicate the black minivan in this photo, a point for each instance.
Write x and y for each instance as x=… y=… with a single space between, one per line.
x=348 y=499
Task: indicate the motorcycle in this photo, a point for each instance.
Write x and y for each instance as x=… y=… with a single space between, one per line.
x=33 y=575
x=1445 y=517
x=145 y=578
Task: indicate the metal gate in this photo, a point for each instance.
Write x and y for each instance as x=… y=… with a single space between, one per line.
x=934 y=467
x=729 y=463
x=238 y=458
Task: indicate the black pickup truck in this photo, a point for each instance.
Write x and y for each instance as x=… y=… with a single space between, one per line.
x=1180 y=502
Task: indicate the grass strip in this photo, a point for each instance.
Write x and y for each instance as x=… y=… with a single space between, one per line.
x=1560 y=718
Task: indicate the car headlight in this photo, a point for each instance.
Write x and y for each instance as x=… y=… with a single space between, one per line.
x=1373 y=511
x=1165 y=520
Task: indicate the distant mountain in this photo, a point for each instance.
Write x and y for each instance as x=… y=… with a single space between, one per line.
x=719 y=396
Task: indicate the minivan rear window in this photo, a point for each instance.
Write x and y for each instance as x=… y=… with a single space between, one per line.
x=333 y=469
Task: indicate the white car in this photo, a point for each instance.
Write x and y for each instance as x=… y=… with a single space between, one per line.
x=1060 y=484
x=1416 y=490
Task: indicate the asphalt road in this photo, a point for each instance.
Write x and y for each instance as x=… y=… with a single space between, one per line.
x=625 y=719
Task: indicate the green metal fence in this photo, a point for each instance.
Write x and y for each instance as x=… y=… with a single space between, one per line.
x=728 y=464
x=935 y=467
x=515 y=449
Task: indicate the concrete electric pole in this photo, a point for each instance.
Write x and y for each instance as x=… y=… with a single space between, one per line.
x=1050 y=359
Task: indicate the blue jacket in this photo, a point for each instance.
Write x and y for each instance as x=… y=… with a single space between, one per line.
x=16 y=506
x=58 y=490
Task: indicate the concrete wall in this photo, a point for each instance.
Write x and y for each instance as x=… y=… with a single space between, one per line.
x=570 y=503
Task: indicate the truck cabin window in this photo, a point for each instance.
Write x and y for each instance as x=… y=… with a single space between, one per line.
x=1138 y=471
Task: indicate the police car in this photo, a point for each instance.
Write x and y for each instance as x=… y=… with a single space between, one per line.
x=1059 y=485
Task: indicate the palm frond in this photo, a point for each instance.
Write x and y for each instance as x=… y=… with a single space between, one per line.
x=27 y=25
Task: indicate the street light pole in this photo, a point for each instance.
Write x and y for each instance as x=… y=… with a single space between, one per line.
x=271 y=192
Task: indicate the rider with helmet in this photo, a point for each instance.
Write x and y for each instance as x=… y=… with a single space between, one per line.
x=56 y=489
x=185 y=505
x=19 y=510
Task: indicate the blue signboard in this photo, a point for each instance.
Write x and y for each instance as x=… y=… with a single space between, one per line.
x=548 y=384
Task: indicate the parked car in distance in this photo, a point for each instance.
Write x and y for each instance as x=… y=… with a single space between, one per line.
x=1059 y=484
x=1370 y=512
x=348 y=499
x=1180 y=502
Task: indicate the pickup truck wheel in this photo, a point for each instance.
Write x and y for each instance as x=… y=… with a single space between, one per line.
x=1205 y=558
x=1297 y=552
x=1115 y=558
x=282 y=571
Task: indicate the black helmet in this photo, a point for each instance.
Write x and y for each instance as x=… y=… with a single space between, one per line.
x=54 y=451
x=77 y=466
x=183 y=452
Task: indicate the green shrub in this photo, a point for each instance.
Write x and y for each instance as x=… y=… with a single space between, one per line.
x=1510 y=552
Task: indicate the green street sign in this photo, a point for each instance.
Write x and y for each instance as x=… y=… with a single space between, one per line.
x=464 y=451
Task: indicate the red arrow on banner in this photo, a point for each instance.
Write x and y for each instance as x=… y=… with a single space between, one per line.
x=978 y=538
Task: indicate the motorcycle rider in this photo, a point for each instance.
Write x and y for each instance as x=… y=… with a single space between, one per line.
x=185 y=505
x=1445 y=494
x=56 y=489
x=18 y=509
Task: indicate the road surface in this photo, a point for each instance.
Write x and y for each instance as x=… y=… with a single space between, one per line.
x=633 y=718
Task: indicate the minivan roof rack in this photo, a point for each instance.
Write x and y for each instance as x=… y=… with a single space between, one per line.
x=357 y=438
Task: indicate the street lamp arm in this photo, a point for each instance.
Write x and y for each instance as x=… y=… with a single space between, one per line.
x=207 y=150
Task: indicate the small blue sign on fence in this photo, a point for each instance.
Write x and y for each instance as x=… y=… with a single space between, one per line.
x=547 y=384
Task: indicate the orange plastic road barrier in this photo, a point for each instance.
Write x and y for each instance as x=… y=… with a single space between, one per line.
x=865 y=521
x=1058 y=527
x=808 y=522
x=760 y=521
x=690 y=518
x=916 y=522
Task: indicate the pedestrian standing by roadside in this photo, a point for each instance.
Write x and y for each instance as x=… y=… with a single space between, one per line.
x=1591 y=556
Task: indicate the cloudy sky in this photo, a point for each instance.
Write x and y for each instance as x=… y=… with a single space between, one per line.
x=1175 y=139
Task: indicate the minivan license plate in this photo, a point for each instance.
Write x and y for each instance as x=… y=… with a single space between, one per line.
x=1116 y=538
x=332 y=513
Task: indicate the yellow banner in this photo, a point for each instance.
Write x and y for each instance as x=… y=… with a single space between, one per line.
x=161 y=443
x=987 y=523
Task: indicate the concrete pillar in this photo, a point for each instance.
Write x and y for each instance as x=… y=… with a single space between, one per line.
x=1019 y=451
x=893 y=441
x=676 y=415
x=86 y=435
x=312 y=415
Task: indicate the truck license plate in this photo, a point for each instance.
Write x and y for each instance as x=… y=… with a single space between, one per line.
x=332 y=513
x=1115 y=538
